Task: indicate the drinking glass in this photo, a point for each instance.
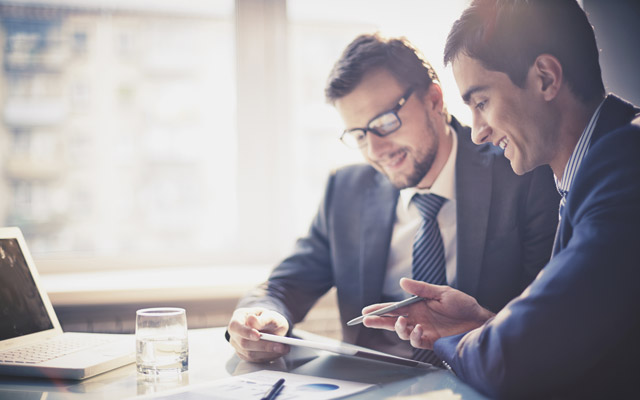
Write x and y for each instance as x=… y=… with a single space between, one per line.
x=161 y=341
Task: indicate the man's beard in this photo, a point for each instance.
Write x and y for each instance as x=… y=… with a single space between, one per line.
x=422 y=162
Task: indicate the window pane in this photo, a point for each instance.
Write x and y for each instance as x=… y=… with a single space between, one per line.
x=118 y=129
x=120 y=141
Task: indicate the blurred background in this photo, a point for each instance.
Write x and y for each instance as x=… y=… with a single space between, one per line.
x=149 y=133
x=171 y=151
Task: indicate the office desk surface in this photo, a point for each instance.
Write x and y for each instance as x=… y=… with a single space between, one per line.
x=212 y=358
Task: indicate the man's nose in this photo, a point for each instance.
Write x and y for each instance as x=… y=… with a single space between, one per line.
x=480 y=131
x=376 y=145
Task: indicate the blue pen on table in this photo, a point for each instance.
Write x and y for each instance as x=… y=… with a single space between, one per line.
x=386 y=309
x=274 y=391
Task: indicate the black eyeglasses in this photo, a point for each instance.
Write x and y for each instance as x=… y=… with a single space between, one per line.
x=381 y=125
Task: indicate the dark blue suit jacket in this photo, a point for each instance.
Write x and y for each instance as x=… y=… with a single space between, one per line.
x=505 y=227
x=575 y=331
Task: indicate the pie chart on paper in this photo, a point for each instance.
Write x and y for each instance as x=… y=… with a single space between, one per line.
x=318 y=387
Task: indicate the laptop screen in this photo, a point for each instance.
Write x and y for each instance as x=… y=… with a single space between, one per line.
x=22 y=310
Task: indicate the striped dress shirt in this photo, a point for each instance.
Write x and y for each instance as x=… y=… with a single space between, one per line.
x=579 y=153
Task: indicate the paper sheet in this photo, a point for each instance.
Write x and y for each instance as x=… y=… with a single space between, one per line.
x=254 y=385
x=443 y=394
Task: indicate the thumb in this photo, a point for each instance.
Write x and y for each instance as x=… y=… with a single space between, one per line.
x=421 y=289
x=272 y=323
x=253 y=321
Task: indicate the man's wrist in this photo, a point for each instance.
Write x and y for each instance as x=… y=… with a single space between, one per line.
x=485 y=315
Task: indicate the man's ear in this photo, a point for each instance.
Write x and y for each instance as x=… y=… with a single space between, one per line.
x=548 y=75
x=433 y=97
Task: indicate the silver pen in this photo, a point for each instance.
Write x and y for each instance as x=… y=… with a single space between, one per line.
x=386 y=309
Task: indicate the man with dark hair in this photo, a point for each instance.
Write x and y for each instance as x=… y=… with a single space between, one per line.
x=488 y=234
x=529 y=71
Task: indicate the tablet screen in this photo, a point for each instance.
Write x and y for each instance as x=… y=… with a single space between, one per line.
x=345 y=349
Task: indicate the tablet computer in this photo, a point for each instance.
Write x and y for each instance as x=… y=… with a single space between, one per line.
x=345 y=349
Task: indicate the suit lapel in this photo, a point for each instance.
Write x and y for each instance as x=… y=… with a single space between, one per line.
x=378 y=217
x=473 y=197
x=615 y=113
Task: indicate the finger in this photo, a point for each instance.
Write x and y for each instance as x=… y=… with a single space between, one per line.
x=374 y=307
x=259 y=350
x=416 y=338
x=242 y=330
x=422 y=289
x=260 y=346
x=379 y=322
x=402 y=328
x=254 y=322
x=268 y=322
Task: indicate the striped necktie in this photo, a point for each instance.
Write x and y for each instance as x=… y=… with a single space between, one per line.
x=428 y=255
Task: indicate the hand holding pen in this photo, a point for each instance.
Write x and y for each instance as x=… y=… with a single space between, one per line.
x=445 y=311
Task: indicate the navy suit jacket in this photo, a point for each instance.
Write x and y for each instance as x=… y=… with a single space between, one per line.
x=575 y=331
x=505 y=229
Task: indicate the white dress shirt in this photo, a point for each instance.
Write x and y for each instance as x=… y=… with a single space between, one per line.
x=408 y=220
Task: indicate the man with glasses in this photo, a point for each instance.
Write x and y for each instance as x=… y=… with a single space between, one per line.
x=494 y=229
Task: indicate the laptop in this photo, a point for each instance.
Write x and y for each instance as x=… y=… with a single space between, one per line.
x=32 y=342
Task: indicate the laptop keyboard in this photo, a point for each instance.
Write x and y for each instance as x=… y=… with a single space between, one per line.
x=52 y=348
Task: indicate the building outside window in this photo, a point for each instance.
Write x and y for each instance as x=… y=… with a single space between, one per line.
x=142 y=133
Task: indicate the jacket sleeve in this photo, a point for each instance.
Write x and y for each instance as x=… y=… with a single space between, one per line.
x=576 y=327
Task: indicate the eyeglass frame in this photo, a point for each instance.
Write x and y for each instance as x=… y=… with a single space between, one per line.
x=394 y=111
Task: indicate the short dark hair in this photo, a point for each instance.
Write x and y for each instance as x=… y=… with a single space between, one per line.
x=371 y=51
x=508 y=35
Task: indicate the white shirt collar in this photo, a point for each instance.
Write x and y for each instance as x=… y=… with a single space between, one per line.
x=445 y=183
